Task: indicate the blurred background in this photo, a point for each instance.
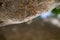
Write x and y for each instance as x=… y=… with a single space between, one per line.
x=37 y=30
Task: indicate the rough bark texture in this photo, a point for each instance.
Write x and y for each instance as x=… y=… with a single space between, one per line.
x=21 y=9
